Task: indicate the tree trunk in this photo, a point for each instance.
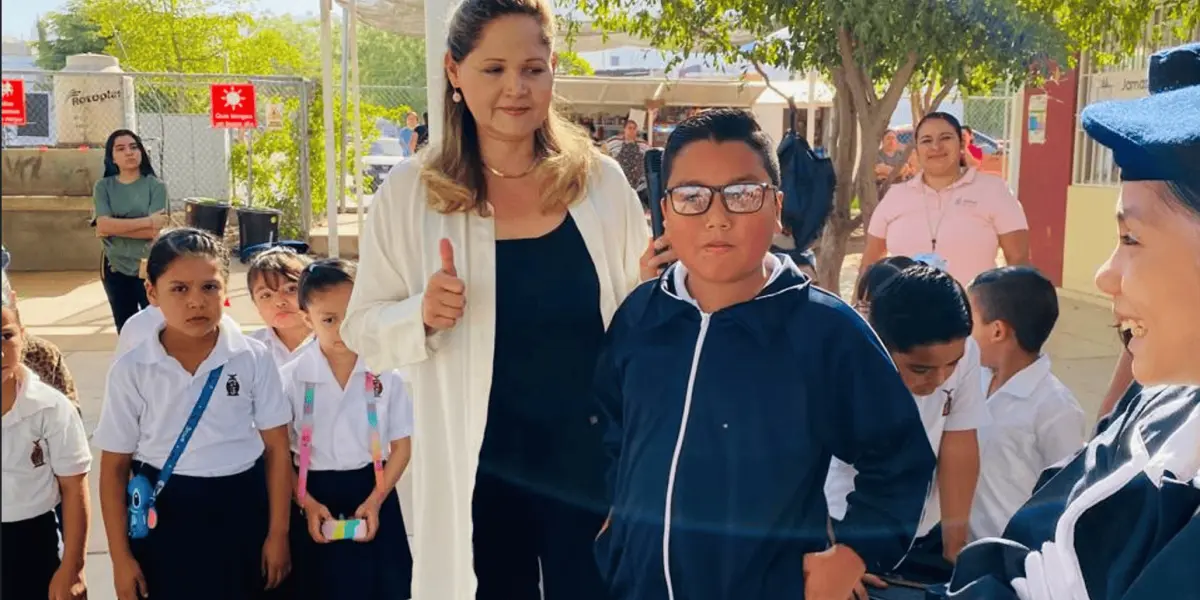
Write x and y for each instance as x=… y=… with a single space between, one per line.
x=831 y=248
x=868 y=193
x=861 y=115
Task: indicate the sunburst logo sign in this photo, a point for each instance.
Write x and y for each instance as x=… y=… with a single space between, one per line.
x=233 y=106
x=13 y=108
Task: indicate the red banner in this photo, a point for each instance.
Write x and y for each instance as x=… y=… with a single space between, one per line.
x=233 y=106
x=12 y=111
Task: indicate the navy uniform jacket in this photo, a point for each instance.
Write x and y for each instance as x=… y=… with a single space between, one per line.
x=721 y=428
x=1119 y=521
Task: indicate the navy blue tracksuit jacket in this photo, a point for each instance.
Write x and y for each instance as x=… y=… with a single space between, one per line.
x=1135 y=529
x=721 y=429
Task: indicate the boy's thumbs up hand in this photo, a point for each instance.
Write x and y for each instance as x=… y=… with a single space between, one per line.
x=445 y=296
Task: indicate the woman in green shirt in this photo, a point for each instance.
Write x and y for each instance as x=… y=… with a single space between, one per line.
x=131 y=208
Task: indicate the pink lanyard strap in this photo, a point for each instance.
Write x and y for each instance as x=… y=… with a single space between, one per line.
x=306 y=432
x=374 y=391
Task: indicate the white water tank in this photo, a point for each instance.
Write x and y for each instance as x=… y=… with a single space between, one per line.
x=92 y=98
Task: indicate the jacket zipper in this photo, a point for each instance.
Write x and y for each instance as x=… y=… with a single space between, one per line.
x=687 y=409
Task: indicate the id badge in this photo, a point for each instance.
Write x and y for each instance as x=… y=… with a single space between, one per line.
x=142 y=516
x=932 y=259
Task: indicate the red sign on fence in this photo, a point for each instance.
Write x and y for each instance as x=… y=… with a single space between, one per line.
x=233 y=106
x=12 y=111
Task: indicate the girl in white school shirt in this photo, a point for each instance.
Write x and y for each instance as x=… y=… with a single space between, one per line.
x=220 y=522
x=348 y=468
x=46 y=460
x=273 y=281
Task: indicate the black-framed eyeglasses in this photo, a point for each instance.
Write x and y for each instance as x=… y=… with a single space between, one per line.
x=738 y=198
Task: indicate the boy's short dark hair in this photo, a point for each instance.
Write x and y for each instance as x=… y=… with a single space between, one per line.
x=878 y=274
x=721 y=125
x=322 y=275
x=1021 y=297
x=920 y=306
x=275 y=266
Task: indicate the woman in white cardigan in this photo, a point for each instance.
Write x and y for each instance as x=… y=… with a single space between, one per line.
x=489 y=269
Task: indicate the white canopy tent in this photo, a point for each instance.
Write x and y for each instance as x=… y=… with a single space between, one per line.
x=810 y=95
x=638 y=91
x=429 y=18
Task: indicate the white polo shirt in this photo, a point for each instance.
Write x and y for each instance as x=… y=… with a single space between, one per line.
x=149 y=397
x=279 y=350
x=957 y=405
x=43 y=439
x=1035 y=423
x=147 y=322
x=341 y=435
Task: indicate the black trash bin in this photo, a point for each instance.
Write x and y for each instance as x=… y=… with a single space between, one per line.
x=206 y=214
x=257 y=226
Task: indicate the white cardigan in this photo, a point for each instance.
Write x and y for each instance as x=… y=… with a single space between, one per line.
x=451 y=372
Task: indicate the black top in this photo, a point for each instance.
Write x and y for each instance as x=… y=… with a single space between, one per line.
x=543 y=430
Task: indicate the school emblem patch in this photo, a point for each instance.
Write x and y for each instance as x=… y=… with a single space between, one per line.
x=37 y=457
x=949 y=401
x=232 y=387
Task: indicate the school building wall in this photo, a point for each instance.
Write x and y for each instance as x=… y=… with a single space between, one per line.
x=1045 y=176
x=1091 y=236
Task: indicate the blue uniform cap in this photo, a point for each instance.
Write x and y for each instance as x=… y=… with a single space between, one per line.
x=1156 y=138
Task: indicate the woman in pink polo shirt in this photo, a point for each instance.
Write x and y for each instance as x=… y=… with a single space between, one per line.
x=949 y=216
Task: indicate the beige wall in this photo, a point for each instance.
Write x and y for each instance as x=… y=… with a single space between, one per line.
x=1091 y=236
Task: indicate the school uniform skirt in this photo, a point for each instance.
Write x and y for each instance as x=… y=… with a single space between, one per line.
x=347 y=570
x=209 y=538
x=28 y=556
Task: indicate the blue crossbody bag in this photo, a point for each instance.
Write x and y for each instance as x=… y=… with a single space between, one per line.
x=140 y=494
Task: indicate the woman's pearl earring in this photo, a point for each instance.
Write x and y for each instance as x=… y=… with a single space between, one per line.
x=456 y=96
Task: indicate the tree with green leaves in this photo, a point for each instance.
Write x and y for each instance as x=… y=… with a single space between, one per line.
x=178 y=36
x=876 y=52
x=64 y=33
x=570 y=63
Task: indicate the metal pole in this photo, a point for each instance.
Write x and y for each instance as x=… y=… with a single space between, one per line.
x=304 y=142
x=437 y=14
x=249 y=168
x=228 y=137
x=810 y=132
x=356 y=92
x=330 y=140
x=344 y=138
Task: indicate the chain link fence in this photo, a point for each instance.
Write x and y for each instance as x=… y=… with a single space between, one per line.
x=991 y=121
x=268 y=166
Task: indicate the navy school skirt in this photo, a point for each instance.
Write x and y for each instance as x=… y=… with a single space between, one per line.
x=28 y=556
x=209 y=537
x=347 y=570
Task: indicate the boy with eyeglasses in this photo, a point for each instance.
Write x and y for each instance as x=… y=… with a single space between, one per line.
x=727 y=385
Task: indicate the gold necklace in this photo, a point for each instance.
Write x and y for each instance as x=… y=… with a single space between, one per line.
x=503 y=175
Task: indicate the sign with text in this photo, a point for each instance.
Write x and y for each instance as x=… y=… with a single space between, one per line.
x=1118 y=85
x=275 y=115
x=12 y=111
x=233 y=106
x=1038 y=105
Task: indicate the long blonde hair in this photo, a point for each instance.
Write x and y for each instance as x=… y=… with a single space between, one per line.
x=453 y=171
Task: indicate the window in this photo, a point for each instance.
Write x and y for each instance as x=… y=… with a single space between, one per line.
x=38 y=129
x=614 y=61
